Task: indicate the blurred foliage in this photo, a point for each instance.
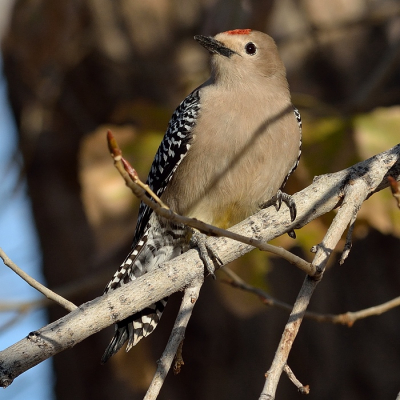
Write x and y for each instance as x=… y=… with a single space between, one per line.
x=375 y=132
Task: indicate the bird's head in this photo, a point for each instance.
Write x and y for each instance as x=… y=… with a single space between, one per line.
x=243 y=54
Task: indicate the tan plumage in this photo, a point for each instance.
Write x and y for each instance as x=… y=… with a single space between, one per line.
x=246 y=138
x=229 y=148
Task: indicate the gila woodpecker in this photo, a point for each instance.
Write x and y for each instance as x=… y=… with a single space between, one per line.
x=230 y=147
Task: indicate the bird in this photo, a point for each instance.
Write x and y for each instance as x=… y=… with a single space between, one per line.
x=229 y=148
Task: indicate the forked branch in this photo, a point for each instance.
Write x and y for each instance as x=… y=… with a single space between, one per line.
x=359 y=186
x=324 y=194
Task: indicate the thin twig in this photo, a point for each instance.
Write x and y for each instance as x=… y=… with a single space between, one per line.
x=348 y=318
x=300 y=387
x=37 y=285
x=135 y=178
x=175 y=340
x=71 y=289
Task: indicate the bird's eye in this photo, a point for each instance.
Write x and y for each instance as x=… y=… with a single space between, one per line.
x=251 y=48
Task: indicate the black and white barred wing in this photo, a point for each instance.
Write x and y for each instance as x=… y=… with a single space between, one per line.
x=171 y=152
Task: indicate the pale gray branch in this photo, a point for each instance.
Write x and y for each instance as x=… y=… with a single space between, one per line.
x=323 y=195
x=97 y=314
x=300 y=387
x=360 y=182
x=348 y=318
x=176 y=338
x=35 y=284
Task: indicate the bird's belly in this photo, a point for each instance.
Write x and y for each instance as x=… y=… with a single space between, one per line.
x=226 y=177
x=230 y=196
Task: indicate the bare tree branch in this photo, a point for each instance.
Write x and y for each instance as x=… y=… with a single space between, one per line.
x=323 y=195
x=360 y=183
x=300 y=387
x=95 y=315
x=35 y=284
x=348 y=318
x=175 y=341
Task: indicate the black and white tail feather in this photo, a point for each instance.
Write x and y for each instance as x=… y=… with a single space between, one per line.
x=155 y=240
x=160 y=242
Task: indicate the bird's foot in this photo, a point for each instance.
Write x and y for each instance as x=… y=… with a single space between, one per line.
x=199 y=240
x=288 y=200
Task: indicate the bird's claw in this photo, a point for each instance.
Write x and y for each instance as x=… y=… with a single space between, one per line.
x=288 y=200
x=199 y=240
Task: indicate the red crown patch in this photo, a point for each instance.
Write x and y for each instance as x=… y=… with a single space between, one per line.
x=239 y=32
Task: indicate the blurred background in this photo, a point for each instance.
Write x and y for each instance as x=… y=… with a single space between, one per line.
x=79 y=67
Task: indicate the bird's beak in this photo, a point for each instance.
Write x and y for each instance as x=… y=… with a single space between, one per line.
x=214 y=46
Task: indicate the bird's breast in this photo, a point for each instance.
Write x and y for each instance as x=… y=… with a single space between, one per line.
x=240 y=155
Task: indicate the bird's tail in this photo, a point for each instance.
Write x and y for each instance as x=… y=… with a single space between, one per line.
x=134 y=328
x=155 y=247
